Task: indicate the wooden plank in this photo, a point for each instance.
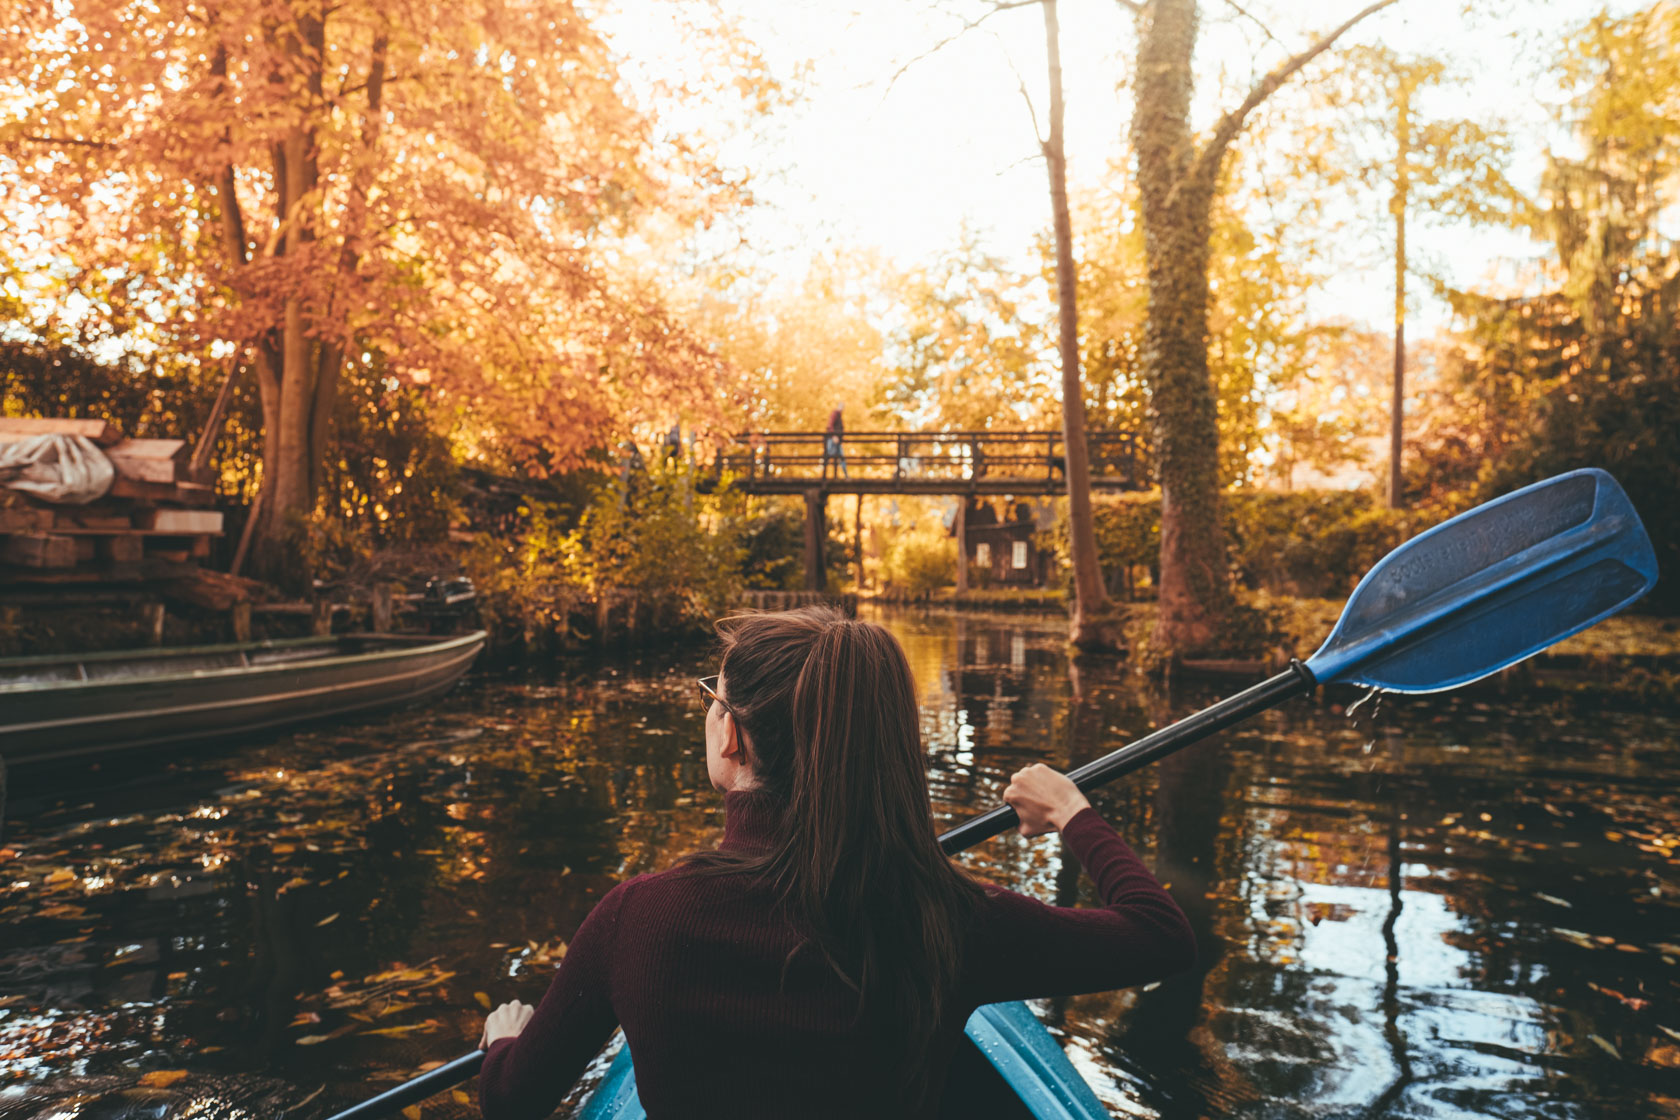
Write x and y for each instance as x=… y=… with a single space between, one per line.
x=38 y=550
x=126 y=549
x=183 y=521
x=84 y=549
x=102 y=432
x=14 y=519
x=179 y=493
x=150 y=460
x=170 y=449
x=70 y=520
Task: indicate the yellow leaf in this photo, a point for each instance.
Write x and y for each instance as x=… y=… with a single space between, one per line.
x=483 y=999
x=162 y=1078
x=312 y=1039
x=460 y=1097
x=61 y=876
x=412 y=1112
x=328 y=920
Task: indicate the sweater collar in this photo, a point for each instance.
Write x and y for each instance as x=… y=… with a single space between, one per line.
x=750 y=819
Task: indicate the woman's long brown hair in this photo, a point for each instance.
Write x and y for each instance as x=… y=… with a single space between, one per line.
x=828 y=708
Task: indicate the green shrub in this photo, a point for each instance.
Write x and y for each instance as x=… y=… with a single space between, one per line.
x=1316 y=543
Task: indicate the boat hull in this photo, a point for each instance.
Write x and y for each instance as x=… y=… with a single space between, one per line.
x=1017 y=1050
x=64 y=708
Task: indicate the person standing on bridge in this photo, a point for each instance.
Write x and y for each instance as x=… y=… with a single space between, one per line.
x=834 y=449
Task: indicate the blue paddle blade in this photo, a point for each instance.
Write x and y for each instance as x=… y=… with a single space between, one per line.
x=1492 y=587
x=1008 y=1034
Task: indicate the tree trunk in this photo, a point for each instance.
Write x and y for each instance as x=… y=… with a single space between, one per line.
x=1176 y=182
x=1089 y=596
x=1176 y=191
x=1402 y=183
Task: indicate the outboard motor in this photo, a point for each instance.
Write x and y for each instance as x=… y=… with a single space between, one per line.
x=447 y=602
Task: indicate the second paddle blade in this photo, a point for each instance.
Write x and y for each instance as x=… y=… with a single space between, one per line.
x=1492 y=587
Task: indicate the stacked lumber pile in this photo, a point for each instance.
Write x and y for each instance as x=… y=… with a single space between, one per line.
x=154 y=523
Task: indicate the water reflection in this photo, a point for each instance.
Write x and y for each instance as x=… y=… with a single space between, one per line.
x=1461 y=908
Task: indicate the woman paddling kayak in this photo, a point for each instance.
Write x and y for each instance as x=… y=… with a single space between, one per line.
x=823 y=960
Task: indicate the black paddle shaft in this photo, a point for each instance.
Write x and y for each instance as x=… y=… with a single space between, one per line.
x=415 y=1090
x=1294 y=681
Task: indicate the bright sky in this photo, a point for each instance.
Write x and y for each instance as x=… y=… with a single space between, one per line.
x=878 y=153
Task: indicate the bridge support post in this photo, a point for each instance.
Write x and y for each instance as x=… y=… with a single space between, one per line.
x=816 y=534
x=962 y=544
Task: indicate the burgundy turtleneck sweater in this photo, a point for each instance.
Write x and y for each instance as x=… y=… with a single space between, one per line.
x=693 y=968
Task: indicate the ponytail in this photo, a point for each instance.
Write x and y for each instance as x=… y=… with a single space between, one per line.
x=828 y=708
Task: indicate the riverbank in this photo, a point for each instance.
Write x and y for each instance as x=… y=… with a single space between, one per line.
x=1627 y=654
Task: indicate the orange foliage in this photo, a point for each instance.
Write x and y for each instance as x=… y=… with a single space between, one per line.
x=448 y=185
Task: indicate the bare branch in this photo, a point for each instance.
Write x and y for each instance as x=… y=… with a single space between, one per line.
x=67 y=140
x=1027 y=97
x=1131 y=6
x=1208 y=159
x=1255 y=20
x=968 y=25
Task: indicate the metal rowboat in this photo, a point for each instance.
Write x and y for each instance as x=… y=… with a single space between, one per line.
x=65 y=706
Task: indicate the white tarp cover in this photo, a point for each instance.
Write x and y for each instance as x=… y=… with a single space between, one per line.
x=68 y=470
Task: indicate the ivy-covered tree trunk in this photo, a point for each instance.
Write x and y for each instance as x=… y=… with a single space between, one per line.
x=1177 y=194
x=1089 y=595
x=1176 y=183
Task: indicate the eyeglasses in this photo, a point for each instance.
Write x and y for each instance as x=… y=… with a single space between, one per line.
x=708 y=694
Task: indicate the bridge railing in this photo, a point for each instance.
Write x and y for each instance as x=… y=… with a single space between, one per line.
x=927 y=456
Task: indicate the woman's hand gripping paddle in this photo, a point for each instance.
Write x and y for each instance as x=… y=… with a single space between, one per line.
x=1465 y=599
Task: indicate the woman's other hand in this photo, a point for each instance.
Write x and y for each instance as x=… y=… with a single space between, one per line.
x=1044 y=799
x=505 y=1022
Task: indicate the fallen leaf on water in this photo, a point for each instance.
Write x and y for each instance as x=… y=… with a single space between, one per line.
x=1675 y=1035
x=460 y=1097
x=162 y=1078
x=1606 y=1047
x=406 y=1028
x=412 y=1112
x=434 y=1064
x=1634 y=1003
x=1575 y=937
x=1553 y=899
x=483 y=999
x=313 y=1039
x=60 y=876
x=328 y=920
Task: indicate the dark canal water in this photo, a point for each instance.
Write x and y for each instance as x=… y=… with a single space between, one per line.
x=1462 y=906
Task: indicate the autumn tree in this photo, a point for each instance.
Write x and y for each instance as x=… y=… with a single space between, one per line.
x=794 y=351
x=1431 y=168
x=1178 y=179
x=439 y=186
x=1260 y=343
x=1586 y=372
x=967 y=346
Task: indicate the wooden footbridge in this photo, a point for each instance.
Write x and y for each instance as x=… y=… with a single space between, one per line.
x=985 y=462
x=966 y=464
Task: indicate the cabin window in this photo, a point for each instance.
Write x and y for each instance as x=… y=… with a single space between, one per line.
x=983 y=554
x=1019 y=558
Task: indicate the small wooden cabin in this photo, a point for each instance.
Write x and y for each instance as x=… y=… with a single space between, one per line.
x=1003 y=553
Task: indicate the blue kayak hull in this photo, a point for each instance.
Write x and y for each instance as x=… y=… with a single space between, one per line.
x=1008 y=1035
